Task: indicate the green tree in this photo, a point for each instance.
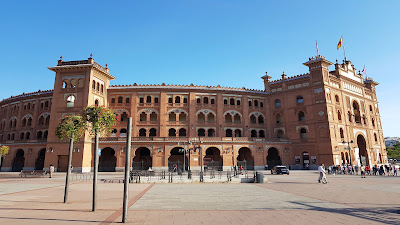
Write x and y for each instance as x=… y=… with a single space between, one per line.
x=3 y=151
x=100 y=122
x=394 y=152
x=70 y=128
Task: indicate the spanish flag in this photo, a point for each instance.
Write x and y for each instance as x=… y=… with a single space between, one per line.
x=340 y=43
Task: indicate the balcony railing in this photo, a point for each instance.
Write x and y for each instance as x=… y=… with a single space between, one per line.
x=185 y=139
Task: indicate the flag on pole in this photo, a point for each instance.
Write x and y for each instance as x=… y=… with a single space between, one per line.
x=340 y=43
x=363 y=71
x=317 y=48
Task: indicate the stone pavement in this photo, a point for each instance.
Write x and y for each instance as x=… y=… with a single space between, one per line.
x=293 y=199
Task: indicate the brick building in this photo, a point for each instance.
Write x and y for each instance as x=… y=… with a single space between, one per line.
x=301 y=120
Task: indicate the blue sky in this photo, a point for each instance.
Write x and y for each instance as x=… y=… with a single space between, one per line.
x=208 y=42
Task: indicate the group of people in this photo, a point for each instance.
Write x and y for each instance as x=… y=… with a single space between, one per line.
x=382 y=170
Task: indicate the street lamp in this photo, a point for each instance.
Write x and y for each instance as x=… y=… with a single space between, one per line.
x=348 y=147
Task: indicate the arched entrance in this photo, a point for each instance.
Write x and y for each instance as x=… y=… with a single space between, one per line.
x=19 y=161
x=107 y=161
x=362 y=146
x=142 y=159
x=39 y=164
x=213 y=159
x=306 y=159
x=176 y=158
x=273 y=158
x=343 y=159
x=245 y=159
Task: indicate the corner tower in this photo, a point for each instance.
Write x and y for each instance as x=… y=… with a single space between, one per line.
x=77 y=84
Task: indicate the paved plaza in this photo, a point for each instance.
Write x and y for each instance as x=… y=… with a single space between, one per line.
x=293 y=199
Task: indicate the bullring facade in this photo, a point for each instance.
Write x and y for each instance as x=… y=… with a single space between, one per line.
x=296 y=121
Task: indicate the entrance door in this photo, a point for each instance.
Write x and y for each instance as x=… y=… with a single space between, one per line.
x=62 y=163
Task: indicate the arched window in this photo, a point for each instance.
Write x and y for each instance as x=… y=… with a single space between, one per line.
x=237 y=102
x=172 y=117
x=182 y=132
x=124 y=116
x=232 y=101
x=45 y=134
x=337 y=98
x=228 y=118
x=303 y=133
x=299 y=99
x=172 y=132
x=96 y=102
x=142 y=132
x=113 y=101
x=185 y=100
x=94 y=85
x=153 y=116
x=278 y=118
x=277 y=103
x=127 y=100
x=65 y=85
x=225 y=101
x=238 y=133
x=39 y=135
x=143 y=116
x=341 y=133
x=46 y=104
x=349 y=114
x=177 y=99
x=98 y=87
x=120 y=99
x=182 y=116
x=29 y=121
x=21 y=136
x=280 y=134
x=101 y=88
x=211 y=132
x=156 y=100
x=301 y=116
x=256 y=103
x=122 y=132
x=205 y=100
x=198 y=100
x=148 y=99
x=237 y=118
x=41 y=120
x=339 y=115
x=375 y=137
x=253 y=133
x=70 y=101
x=153 y=132
x=27 y=135
x=201 y=132
x=260 y=119
x=170 y=100
x=212 y=101
x=23 y=123
x=261 y=133
x=141 y=100
x=210 y=117
x=261 y=104
x=228 y=133
x=201 y=117
x=373 y=122
x=249 y=103
x=356 y=112
x=370 y=108
x=253 y=119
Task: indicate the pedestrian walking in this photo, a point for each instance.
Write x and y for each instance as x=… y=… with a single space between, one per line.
x=362 y=169
x=322 y=174
x=51 y=171
x=395 y=171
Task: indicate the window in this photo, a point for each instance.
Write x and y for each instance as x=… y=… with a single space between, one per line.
x=300 y=99
x=98 y=87
x=260 y=119
x=182 y=132
x=172 y=117
x=120 y=99
x=101 y=88
x=341 y=133
x=153 y=116
x=303 y=133
x=94 y=85
x=225 y=101
x=232 y=101
x=28 y=135
x=124 y=116
x=253 y=119
x=153 y=132
x=177 y=99
x=156 y=100
x=70 y=101
x=127 y=100
x=373 y=122
x=201 y=132
x=96 y=102
x=210 y=117
x=375 y=137
x=277 y=103
x=278 y=118
x=337 y=98
x=228 y=118
x=237 y=102
x=182 y=116
x=370 y=108
x=113 y=101
x=65 y=85
x=211 y=132
x=356 y=111
x=238 y=133
x=172 y=132
x=148 y=99
x=339 y=115
x=143 y=116
x=212 y=101
x=142 y=132
x=198 y=100
x=301 y=116
x=201 y=117
x=228 y=133
x=253 y=133
x=205 y=100
x=261 y=134
x=237 y=118
x=185 y=100
x=141 y=100
x=261 y=104
x=255 y=103
x=249 y=103
x=280 y=134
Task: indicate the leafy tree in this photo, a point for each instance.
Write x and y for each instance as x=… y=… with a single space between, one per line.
x=70 y=128
x=100 y=122
x=3 y=151
x=394 y=152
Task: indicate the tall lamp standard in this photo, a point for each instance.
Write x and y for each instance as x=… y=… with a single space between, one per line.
x=348 y=147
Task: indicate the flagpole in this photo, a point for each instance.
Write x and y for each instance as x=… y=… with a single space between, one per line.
x=344 y=50
x=317 y=47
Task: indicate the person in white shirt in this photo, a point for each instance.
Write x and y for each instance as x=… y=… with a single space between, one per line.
x=322 y=172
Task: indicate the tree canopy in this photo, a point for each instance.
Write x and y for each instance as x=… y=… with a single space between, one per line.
x=100 y=118
x=394 y=152
x=71 y=126
x=4 y=150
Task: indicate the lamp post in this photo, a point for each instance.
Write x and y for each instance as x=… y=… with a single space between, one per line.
x=348 y=147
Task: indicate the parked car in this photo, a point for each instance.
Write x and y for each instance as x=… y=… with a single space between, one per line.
x=280 y=170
